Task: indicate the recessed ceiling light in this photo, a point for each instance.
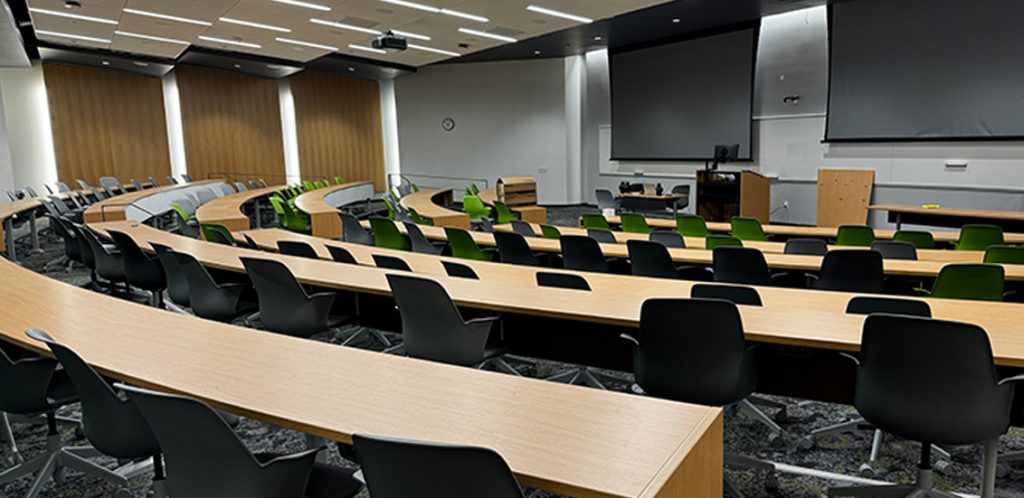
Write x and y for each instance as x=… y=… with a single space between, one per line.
x=598 y=38
x=349 y=27
x=257 y=25
x=72 y=5
x=72 y=16
x=151 y=37
x=435 y=50
x=308 y=5
x=536 y=52
x=140 y=63
x=488 y=35
x=367 y=49
x=556 y=13
x=411 y=35
x=351 y=69
x=157 y=15
x=105 y=63
x=230 y=42
x=238 y=66
x=307 y=44
x=676 y=20
x=71 y=35
x=437 y=10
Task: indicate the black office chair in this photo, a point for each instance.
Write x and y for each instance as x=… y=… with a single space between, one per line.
x=112 y=424
x=740 y=265
x=704 y=359
x=905 y=386
x=253 y=184
x=153 y=181
x=72 y=247
x=670 y=238
x=562 y=280
x=285 y=305
x=210 y=299
x=137 y=185
x=651 y=259
x=341 y=255
x=205 y=459
x=396 y=468
x=523 y=228
x=297 y=248
x=894 y=249
x=353 y=231
x=433 y=328
x=140 y=270
x=186 y=178
x=419 y=241
x=171 y=180
x=177 y=285
x=735 y=294
x=109 y=262
x=806 y=247
x=391 y=263
x=514 y=249
x=88 y=258
x=583 y=254
x=459 y=270
x=602 y=236
x=850 y=270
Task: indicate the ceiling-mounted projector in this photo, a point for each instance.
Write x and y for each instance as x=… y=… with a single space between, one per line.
x=388 y=42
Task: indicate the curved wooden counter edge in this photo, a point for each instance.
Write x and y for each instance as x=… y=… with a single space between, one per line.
x=113 y=209
x=565 y=439
x=227 y=210
x=324 y=220
x=529 y=214
x=425 y=202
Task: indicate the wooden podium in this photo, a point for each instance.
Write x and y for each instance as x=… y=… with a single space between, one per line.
x=722 y=195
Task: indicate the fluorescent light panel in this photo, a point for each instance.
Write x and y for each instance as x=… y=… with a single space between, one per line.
x=230 y=42
x=72 y=16
x=307 y=44
x=168 y=17
x=71 y=35
x=151 y=37
x=472 y=17
x=411 y=35
x=324 y=22
x=367 y=49
x=487 y=35
x=308 y=5
x=435 y=50
x=436 y=10
x=257 y=25
x=556 y=13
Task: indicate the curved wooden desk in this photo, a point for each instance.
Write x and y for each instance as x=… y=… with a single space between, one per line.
x=322 y=205
x=116 y=208
x=227 y=210
x=899 y=214
x=529 y=214
x=430 y=203
x=8 y=211
x=565 y=439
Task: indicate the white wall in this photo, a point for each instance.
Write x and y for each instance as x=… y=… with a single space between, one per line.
x=510 y=120
x=27 y=118
x=6 y=169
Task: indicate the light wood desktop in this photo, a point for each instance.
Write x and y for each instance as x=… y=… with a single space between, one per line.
x=324 y=219
x=227 y=210
x=529 y=214
x=113 y=209
x=8 y=211
x=564 y=439
x=945 y=216
x=428 y=203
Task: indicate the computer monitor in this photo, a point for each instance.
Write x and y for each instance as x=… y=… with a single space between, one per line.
x=724 y=154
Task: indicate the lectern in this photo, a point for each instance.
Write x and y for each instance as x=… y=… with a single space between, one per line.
x=722 y=195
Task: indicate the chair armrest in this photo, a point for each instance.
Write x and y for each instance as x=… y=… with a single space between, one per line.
x=850 y=357
x=484 y=319
x=630 y=338
x=295 y=457
x=1015 y=378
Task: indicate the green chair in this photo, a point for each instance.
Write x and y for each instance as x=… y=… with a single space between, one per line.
x=744 y=228
x=475 y=207
x=505 y=214
x=633 y=223
x=415 y=188
x=288 y=217
x=594 y=221
x=550 y=232
x=419 y=219
x=320 y=184
x=387 y=236
x=338 y=180
x=979 y=237
x=474 y=189
x=308 y=185
x=980 y=282
x=713 y=241
x=464 y=247
x=181 y=212
x=391 y=208
x=691 y=225
x=855 y=235
x=220 y=234
x=921 y=240
x=1002 y=254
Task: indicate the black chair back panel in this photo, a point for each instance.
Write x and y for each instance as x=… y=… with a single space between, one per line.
x=514 y=249
x=432 y=326
x=670 y=238
x=297 y=248
x=651 y=259
x=740 y=265
x=851 y=270
x=562 y=280
x=285 y=307
x=583 y=254
x=459 y=270
x=866 y=305
x=733 y=293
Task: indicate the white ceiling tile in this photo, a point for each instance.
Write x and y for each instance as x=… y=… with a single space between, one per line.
x=205 y=10
x=75 y=27
x=146 y=47
x=160 y=27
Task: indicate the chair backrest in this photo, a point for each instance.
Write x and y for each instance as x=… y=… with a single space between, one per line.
x=744 y=228
x=463 y=246
x=177 y=284
x=523 y=228
x=114 y=426
x=418 y=241
x=205 y=459
x=399 y=469
x=341 y=255
x=205 y=195
x=590 y=220
x=137 y=184
x=432 y=327
x=714 y=241
x=25 y=380
x=85 y=248
x=390 y=263
x=740 y=265
x=386 y=234
x=806 y=247
x=602 y=236
x=110 y=182
x=691 y=225
x=504 y=213
x=1013 y=255
x=187 y=178
x=894 y=249
x=562 y=280
x=736 y=294
x=583 y=254
x=82 y=184
x=63 y=187
x=154 y=182
x=171 y=180
x=977 y=237
x=669 y=238
x=982 y=282
x=206 y=297
x=139 y=269
x=855 y=235
x=651 y=259
x=550 y=232
x=605 y=199
x=459 y=270
x=353 y=231
x=851 y=270
x=514 y=249
x=866 y=305
x=921 y=240
x=906 y=385
x=253 y=184
x=297 y=248
x=475 y=207
x=634 y=223
x=239 y=186
x=285 y=307
x=218 y=234
x=694 y=351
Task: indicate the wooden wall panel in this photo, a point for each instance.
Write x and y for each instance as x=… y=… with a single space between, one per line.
x=231 y=124
x=843 y=196
x=106 y=123
x=338 y=124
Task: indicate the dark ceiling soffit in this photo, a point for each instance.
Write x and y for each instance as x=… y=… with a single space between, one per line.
x=118 y=61
x=693 y=35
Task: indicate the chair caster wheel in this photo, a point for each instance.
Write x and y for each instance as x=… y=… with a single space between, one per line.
x=806 y=443
x=867 y=471
x=775 y=440
x=782 y=416
x=1002 y=470
x=771 y=482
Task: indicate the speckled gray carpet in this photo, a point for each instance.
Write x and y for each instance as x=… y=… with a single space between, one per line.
x=841 y=454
